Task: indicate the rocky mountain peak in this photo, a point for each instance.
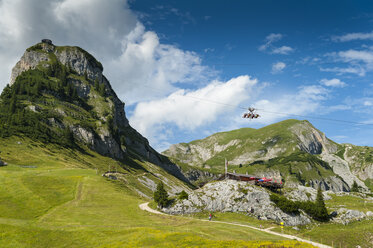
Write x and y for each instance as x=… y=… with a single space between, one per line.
x=45 y=52
x=64 y=90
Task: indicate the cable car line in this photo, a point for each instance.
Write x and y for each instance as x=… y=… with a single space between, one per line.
x=251 y=115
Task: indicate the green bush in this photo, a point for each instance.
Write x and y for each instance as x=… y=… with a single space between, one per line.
x=284 y=204
x=316 y=210
x=183 y=195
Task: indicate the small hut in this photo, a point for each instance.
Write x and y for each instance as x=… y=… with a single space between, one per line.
x=47 y=41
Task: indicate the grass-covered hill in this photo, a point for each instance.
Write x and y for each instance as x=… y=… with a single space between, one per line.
x=293 y=150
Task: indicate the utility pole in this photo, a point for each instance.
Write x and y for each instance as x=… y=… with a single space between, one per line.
x=226 y=168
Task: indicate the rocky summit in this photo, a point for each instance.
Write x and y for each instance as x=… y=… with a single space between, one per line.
x=61 y=92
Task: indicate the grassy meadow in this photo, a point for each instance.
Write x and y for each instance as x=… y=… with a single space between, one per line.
x=57 y=198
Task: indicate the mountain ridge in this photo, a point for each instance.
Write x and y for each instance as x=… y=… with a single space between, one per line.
x=293 y=149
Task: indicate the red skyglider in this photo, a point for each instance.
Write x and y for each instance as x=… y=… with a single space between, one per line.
x=251 y=114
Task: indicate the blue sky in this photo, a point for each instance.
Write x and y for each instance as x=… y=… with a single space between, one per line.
x=228 y=35
x=187 y=69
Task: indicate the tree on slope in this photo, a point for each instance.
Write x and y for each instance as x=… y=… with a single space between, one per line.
x=321 y=211
x=355 y=187
x=161 y=196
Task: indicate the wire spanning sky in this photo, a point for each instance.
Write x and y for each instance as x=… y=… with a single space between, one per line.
x=185 y=69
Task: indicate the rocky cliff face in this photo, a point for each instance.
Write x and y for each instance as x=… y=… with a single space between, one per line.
x=311 y=140
x=96 y=115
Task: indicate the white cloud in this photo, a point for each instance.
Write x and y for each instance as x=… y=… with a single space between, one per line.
x=274 y=37
x=189 y=110
x=282 y=50
x=354 y=36
x=354 y=55
x=133 y=57
x=269 y=40
x=335 y=82
x=268 y=45
x=360 y=105
x=306 y=100
x=278 y=67
x=207 y=50
x=344 y=70
x=359 y=62
x=146 y=68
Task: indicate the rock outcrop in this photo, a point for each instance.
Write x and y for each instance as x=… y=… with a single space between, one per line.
x=346 y=216
x=2 y=163
x=234 y=196
x=302 y=193
x=312 y=140
x=342 y=168
x=333 y=183
x=200 y=177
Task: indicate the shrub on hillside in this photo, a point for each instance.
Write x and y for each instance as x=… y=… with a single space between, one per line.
x=284 y=204
x=183 y=195
x=316 y=210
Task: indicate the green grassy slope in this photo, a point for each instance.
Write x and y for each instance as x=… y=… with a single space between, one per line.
x=55 y=198
x=248 y=140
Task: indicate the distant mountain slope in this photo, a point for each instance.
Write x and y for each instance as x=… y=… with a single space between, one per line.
x=292 y=149
x=59 y=95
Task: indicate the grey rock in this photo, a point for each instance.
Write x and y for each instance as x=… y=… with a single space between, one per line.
x=82 y=90
x=150 y=184
x=28 y=61
x=55 y=123
x=302 y=193
x=80 y=62
x=33 y=108
x=311 y=140
x=342 y=168
x=194 y=175
x=332 y=183
x=234 y=196
x=346 y=216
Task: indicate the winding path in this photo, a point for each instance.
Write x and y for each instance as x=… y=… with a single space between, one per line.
x=145 y=207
